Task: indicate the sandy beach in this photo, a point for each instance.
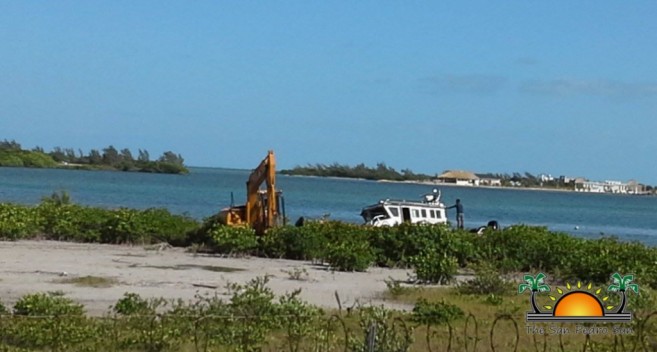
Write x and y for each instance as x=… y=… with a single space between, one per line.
x=171 y=273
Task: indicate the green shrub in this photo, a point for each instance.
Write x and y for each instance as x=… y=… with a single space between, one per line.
x=298 y=243
x=17 y=221
x=124 y=226
x=256 y=314
x=201 y=233
x=159 y=225
x=162 y=167
x=494 y=299
x=596 y=260
x=350 y=255
x=148 y=226
x=58 y=323
x=388 y=246
x=25 y=158
x=53 y=303
x=148 y=325
x=274 y=243
x=396 y=245
x=90 y=223
x=395 y=288
x=310 y=243
x=131 y=304
x=298 y=319
x=10 y=160
x=378 y=325
x=487 y=281
x=37 y=159
x=56 y=220
x=435 y=313
x=59 y=219
x=643 y=304
x=524 y=248
x=337 y=230
x=69 y=222
x=58 y=198
x=433 y=267
x=233 y=240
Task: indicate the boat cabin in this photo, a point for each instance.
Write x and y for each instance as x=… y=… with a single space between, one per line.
x=393 y=212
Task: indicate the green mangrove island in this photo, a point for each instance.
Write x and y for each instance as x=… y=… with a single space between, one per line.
x=380 y=172
x=13 y=155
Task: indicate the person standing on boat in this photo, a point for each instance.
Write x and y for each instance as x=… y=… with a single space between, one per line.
x=459 y=213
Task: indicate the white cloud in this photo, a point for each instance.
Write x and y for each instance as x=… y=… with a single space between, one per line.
x=604 y=88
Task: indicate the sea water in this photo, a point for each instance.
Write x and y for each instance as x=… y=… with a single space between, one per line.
x=205 y=191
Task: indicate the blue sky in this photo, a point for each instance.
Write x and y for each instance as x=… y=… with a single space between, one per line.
x=560 y=87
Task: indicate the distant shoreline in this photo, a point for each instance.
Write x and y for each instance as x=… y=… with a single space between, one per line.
x=442 y=184
x=174 y=170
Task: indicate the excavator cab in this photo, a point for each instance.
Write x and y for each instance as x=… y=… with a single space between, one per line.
x=263 y=220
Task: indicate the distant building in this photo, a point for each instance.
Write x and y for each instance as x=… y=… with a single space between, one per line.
x=571 y=180
x=590 y=186
x=615 y=187
x=487 y=181
x=459 y=177
x=633 y=187
x=608 y=186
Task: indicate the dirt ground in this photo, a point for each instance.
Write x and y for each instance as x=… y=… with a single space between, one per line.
x=161 y=271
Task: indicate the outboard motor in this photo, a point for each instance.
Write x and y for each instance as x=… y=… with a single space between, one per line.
x=491 y=225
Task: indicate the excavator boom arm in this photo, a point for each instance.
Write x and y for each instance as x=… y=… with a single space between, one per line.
x=264 y=173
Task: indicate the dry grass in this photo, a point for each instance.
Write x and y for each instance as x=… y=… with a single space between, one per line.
x=297 y=274
x=90 y=281
x=213 y=268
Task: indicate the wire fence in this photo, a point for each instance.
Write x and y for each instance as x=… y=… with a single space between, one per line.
x=300 y=332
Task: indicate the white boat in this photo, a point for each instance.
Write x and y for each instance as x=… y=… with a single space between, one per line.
x=429 y=210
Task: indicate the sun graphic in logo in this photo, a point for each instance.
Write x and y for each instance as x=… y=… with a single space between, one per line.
x=579 y=304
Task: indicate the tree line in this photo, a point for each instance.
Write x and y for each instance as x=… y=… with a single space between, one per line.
x=380 y=172
x=12 y=154
x=384 y=172
x=527 y=179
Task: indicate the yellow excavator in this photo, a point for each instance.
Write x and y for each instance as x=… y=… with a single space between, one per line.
x=264 y=209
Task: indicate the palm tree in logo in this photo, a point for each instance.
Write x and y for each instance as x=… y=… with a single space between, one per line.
x=535 y=284
x=621 y=284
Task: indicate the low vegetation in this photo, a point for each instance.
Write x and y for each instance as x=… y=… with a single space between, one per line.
x=435 y=253
x=297 y=274
x=56 y=218
x=253 y=317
